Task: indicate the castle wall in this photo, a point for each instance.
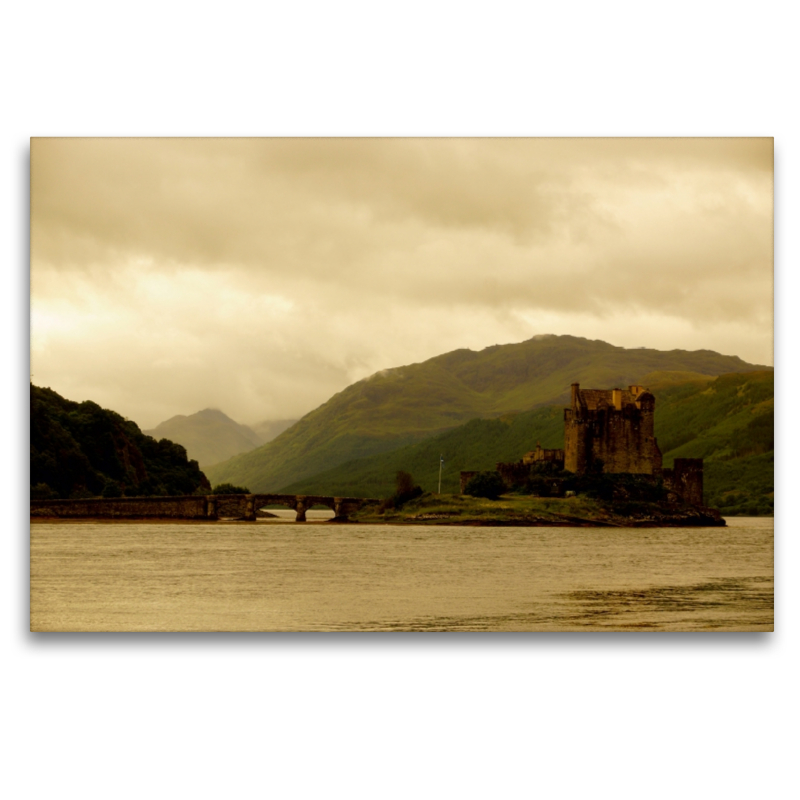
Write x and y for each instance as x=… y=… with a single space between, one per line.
x=685 y=480
x=613 y=426
x=514 y=474
x=540 y=455
x=574 y=442
x=623 y=440
x=466 y=477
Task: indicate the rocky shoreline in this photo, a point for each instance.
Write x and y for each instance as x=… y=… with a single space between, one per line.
x=670 y=515
x=683 y=521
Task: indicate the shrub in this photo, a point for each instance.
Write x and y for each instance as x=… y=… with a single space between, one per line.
x=485 y=484
x=42 y=492
x=112 y=489
x=229 y=488
x=405 y=490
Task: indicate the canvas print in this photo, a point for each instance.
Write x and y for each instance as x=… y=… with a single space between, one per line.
x=358 y=384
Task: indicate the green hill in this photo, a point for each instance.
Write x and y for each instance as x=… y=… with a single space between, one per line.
x=477 y=445
x=81 y=450
x=406 y=405
x=209 y=436
x=728 y=421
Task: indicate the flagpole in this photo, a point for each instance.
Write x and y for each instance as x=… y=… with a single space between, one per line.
x=441 y=461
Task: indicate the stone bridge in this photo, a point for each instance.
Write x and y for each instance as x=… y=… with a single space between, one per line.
x=246 y=506
x=236 y=506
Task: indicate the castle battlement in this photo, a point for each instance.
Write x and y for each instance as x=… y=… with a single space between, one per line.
x=611 y=430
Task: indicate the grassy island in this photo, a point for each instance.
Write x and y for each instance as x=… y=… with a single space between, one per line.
x=520 y=510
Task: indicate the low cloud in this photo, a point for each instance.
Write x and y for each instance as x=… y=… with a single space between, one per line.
x=262 y=276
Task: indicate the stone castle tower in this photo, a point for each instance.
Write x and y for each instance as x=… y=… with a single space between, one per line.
x=612 y=427
x=610 y=430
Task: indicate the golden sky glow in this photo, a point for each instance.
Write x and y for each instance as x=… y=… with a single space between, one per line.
x=260 y=276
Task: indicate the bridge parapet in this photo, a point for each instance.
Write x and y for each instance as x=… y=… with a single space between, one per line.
x=198 y=507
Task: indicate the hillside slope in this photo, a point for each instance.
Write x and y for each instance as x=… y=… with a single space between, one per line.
x=267 y=430
x=80 y=449
x=402 y=406
x=477 y=445
x=728 y=421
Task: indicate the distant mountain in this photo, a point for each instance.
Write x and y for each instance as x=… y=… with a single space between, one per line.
x=269 y=429
x=209 y=436
x=728 y=421
x=82 y=450
x=398 y=407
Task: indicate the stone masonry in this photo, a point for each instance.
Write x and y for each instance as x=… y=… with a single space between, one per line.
x=611 y=430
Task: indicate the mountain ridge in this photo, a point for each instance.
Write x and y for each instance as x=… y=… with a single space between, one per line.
x=211 y=436
x=403 y=405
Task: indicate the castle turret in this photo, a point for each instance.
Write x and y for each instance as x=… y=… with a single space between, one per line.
x=576 y=391
x=614 y=427
x=685 y=479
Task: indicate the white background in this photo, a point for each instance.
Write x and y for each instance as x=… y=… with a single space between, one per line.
x=396 y=715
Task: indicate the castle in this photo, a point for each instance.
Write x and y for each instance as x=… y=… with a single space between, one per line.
x=610 y=431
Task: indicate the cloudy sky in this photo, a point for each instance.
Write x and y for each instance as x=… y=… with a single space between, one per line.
x=260 y=276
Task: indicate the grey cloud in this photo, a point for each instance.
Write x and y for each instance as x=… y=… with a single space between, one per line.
x=266 y=274
x=213 y=201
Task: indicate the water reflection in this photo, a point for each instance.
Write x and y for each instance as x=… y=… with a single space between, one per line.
x=312 y=515
x=281 y=576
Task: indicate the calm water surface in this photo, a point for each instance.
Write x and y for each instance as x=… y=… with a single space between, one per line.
x=281 y=576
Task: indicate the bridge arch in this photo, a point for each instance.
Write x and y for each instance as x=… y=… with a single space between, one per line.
x=245 y=506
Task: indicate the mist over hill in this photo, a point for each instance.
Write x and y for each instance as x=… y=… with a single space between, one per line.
x=210 y=436
x=403 y=406
x=271 y=428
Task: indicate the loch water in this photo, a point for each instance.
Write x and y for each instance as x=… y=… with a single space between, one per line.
x=281 y=576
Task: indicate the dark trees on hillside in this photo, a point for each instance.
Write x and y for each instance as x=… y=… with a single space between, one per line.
x=486 y=484
x=229 y=488
x=81 y=449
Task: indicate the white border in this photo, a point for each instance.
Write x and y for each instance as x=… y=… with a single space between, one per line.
x=575 y=716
